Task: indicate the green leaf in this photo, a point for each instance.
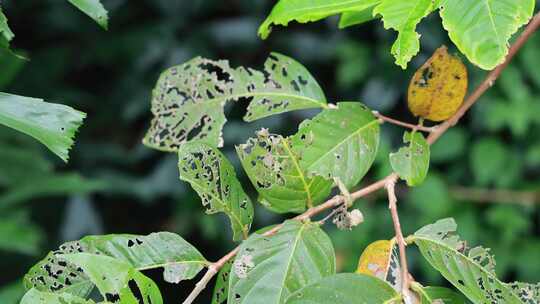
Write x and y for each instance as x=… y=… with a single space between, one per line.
x=221 y=289
x=304 y=11
x=54 y=125
x=411 y=163
x=268 y=269
x=19 y=234
x=274 y=170
x=188 y=100
x=471 y=270
x=11 y=293
x=444 y=295
x=112 y=278
x=209 y=172
x=6 y=32
x=34 y=296
x=338 y=143
x=488 y=158
x=180 y=260
x=94 y=9
x=21 y=164
x=345 y=288
x=357 y=17
x=404 y=16
x=482 y=34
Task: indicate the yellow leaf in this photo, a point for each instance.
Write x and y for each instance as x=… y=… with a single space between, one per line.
x=438 y=88
x=375 y=259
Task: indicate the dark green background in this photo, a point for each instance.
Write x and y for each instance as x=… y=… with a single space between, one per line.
x=113 y=184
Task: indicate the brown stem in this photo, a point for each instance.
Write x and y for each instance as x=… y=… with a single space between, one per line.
x=403 y=124
x=433 y=136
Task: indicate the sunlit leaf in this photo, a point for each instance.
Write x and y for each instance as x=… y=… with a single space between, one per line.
x=345 y=288
x=211 y=174
x=268 y=269
x=274 y=170
x=482 y=34
x=179 y=259
x=411 y=162
x=188 y=100
x=357 y=17
x=338 y=143
x=381 y=259
x=438 y=88
x=34 y=296
x=94 y=9
x=404 y=16
x=54 y=125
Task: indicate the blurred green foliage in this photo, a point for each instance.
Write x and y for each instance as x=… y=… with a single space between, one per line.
x=113 y=184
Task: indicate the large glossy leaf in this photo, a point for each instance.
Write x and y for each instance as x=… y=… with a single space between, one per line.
x=304 y=11
x=404 y=16
x=481 y=29
x=471 y=270
x=274 y=170
x=338 y=143
x=54 y=125
x=412 y=161
x=94 y=9
x=188 y=99
x=345 y=288
x=34 y=296
x=180 y=260
x=268 y=269
x=211 y=174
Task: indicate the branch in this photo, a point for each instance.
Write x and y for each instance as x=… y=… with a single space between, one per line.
x=437 y=132
x=403 y=124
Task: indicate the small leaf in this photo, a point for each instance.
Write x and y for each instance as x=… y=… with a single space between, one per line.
x=404 y=16
x=381 y=260
x=345 y=288
x=221 y=289
x=188 y=99
x=411 y=163
x=274 y=171
x=338 y=143
x=54 y=125
x=5 y=31
x=438 y=88
x=494 y=21
x=268 y=269
x=94 y=9
x=209 y=172
x=34 y=296
x=357 y=17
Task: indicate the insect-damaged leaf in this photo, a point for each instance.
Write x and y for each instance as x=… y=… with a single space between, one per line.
x=381 y=259
x=221 y=289
x=471 y=270
x=437 y=89
x=274 y=169
x=411 y=163
x=156 y=250
x=188 y=99
x=209 y=172
x=341 y=143
x=34 y=296
x=268 y=269
x=345 y=288
x=94 y=9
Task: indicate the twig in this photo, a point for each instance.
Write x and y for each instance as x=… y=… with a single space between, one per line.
x=437 y=132
x=403 y=124
x=392 y=205
x=525 y=198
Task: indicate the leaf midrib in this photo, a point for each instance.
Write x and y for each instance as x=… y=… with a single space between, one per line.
x=289 y=260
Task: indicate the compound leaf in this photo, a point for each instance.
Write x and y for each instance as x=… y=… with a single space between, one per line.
x=411 y=163
x=209 y=172
x=268 y=269
x=345 y=288
x=54 y=125
x=180 y=260
x=34 y=296
x=188 y=100
x=483 y=32
x=94 y=9
x=274 y=170
x=341 y=143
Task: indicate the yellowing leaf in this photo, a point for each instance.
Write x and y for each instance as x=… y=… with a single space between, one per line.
x=438 y=88
x=381 y=259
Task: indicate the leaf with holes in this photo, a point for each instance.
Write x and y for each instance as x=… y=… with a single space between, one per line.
x=305 y=11
x=94 y=9
x=381 y=260
x=471 y=270
x=411 y=163
x=188 y=99
x=54 y=125
x=180 y=260
x=221 y=289
x=341 y=143
x=404 y=16
x=345 y=288
x=274 y=170
x=268 y=269
x=209 y=172
x=482 y=34
x=34 y=296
